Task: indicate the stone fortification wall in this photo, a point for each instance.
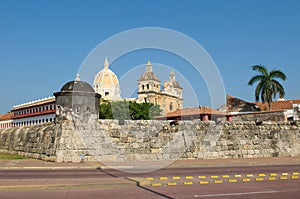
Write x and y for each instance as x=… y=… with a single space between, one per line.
x=113 y=140
x=37 y=141
x=276 y=116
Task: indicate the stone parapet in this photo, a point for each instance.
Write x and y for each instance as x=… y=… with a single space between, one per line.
x=114 y=140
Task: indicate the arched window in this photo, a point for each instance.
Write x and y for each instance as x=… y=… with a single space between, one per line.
x=147 y=86
x=143 y=87
x=171 y=106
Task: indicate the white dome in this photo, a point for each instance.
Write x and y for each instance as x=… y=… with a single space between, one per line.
x=106 y=83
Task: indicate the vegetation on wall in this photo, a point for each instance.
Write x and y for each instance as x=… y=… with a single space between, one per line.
x=128 y=110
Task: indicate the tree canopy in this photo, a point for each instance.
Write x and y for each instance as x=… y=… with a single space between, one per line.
x=267 y=87
x=128 y=110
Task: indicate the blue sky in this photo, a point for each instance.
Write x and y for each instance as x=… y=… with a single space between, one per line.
x=43 y=43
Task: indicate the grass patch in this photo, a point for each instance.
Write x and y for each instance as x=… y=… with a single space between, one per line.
x=11 y=157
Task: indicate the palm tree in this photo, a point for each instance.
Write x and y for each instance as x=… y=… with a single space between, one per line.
x=267 y=87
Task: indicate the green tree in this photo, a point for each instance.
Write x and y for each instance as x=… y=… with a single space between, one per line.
x=268 y=87
x=105 y=111
x=128 y=110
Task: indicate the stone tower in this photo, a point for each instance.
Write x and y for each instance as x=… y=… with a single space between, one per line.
x=169 y=99
x=77 y=101
x=148 y=86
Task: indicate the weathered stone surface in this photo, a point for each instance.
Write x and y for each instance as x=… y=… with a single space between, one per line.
x=107 y=140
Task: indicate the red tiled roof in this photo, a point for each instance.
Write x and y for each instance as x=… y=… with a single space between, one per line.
x=6 y=116
x=204 y=110
x=278 y=105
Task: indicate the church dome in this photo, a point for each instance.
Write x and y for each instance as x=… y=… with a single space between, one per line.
x=106 y=76
x=106 y=83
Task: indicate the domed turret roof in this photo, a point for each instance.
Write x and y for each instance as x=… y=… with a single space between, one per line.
x=172 y=82
x=77 y=86
x=106 y=76
x=148 y=74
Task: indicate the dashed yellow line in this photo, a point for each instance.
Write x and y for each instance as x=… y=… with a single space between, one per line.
x=218 y=181
x=215 y=179
x=163 y=178
x=156 y=184
x=259 y=179
x=283 y=178
x=203 y=182
x=172 y=183
x=225 y=176
x=246 y=180
x=189 y=177
x=272 y=178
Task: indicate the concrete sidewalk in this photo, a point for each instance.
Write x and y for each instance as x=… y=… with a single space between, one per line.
x=38 y=164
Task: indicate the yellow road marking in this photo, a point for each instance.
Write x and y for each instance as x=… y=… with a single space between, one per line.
x=295 y=173
x=156 y=184
x=273 y=174
x=203 y=182
x=214 y=177
x=163 y=178
x=202 y=177
x=249 y=175
x=225 y=176
x=188 y=183
x=284 y=174
x=246 y=180
x=259 y=179
x=237 y=176
x=172 y=183
x=232 y=180
x=176 y=177
x=189 y=177
x=218 y=181
x=261 y=175
x=271 y=178
x=150 y=179
x=295 y=177
x=283 y=177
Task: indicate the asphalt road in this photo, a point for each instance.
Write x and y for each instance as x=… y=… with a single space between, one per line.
x=263 y=182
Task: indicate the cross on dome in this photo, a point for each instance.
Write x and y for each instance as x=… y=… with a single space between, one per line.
x=106 y=64
x=149 y=66
x=77 y=77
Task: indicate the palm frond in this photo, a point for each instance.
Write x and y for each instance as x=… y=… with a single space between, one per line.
x=262 y=69
x=279 y=88
x=278 y=74
x=256 y=79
